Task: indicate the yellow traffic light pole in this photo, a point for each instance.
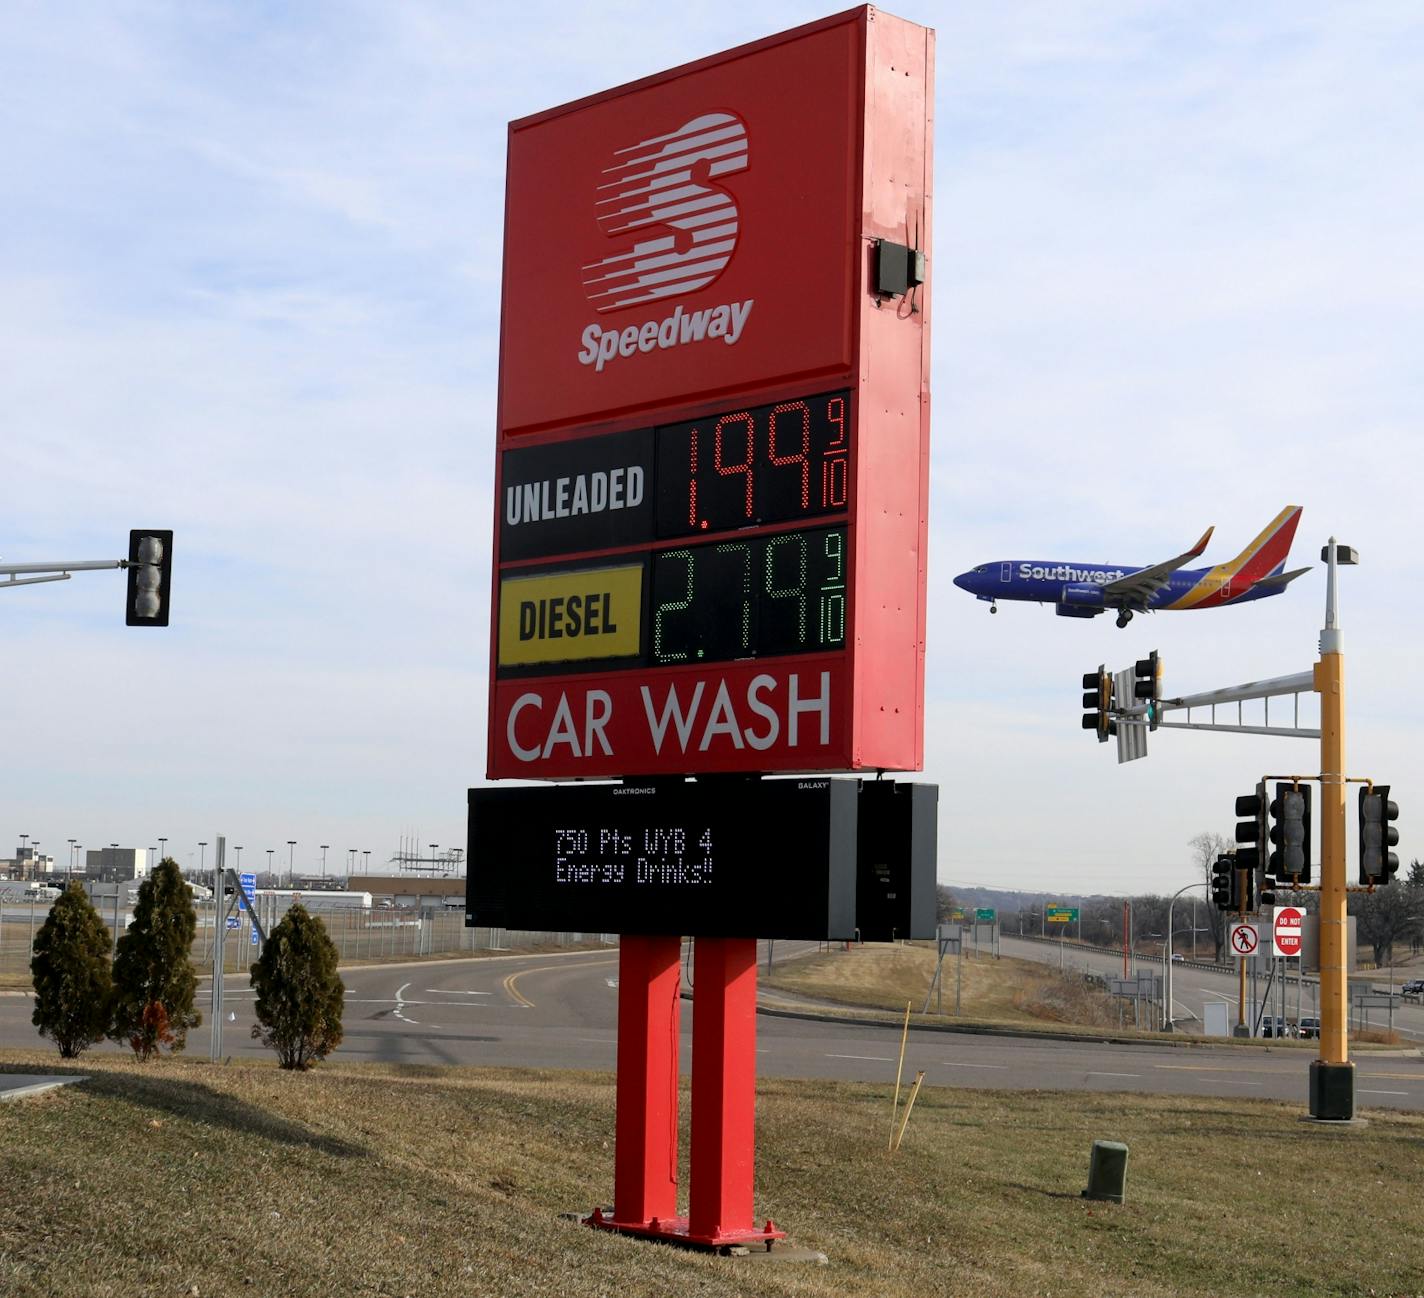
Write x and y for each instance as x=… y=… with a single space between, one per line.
x=1332 y=1075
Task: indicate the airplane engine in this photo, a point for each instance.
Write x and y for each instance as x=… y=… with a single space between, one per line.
x=1075 y=610
x=1083 y=595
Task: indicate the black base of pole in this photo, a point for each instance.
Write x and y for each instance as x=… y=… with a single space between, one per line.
x=1332 y=1091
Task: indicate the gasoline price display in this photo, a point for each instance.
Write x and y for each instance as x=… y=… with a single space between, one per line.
x=778 y=594
x=754 y=466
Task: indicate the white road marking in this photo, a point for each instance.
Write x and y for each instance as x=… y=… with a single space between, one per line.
x=401 y=1004
x=1364 y=1091
x=949 y=1063
x=1096 y=1073
x=451 y=991
x=879 y=1059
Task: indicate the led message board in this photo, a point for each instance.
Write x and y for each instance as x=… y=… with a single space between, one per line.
x=688 y=858
x=712 y=446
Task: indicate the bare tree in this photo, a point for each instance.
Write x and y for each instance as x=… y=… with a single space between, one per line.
x=1206 y=847
x=1386 y=916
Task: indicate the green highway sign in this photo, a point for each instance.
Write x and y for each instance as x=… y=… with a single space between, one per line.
x=1060 y=914
x=984 y=915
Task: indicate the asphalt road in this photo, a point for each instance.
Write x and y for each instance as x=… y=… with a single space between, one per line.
x=560 y=1011
x=1192 y=987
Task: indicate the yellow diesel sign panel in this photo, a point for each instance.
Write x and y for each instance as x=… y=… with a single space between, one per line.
x=565 y=616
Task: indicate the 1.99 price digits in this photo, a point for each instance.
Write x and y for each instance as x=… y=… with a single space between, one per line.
x=744 y=468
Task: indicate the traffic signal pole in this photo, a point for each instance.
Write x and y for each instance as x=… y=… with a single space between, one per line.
x=1332 y=1075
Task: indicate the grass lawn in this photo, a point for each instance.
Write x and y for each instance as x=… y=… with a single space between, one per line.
x=886 y=975
x=370 y=1180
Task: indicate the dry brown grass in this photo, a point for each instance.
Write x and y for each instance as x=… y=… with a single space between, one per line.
x=885 y=975
x=364 y=1180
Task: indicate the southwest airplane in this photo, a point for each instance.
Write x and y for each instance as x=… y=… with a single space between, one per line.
x=1087 y=589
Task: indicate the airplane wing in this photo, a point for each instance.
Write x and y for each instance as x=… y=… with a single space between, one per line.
x=1137 y=588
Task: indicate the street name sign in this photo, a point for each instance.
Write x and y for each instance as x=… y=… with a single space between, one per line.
x=247 y=890
x=985 y=915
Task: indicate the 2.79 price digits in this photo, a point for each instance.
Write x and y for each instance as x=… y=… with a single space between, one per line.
x=739 y=599
x=765 y=464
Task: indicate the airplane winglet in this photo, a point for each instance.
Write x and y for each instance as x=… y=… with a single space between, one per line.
x=1201 y=545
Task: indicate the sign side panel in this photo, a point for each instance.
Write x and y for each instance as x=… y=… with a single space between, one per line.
x=893 y=468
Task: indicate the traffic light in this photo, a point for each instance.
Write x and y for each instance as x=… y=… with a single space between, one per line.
x=1223 y=883
x=1251 y=833
x=1147 y=686
x=150 y=568
x=1377 y=863
x=1097 y=697
x=1291 y=833
x=1267 y=895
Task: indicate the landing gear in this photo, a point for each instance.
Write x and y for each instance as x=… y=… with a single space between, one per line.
x=993 y=607
x=1124 y=617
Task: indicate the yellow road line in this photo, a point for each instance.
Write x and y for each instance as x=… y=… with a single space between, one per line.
x=519 y=998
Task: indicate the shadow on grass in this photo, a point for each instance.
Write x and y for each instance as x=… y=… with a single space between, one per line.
x=1038 y=1189
x=178 y=1098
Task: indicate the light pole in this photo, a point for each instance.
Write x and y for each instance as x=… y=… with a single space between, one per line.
x=78 y=848
x=69 y=873
x=1167 y=1021
x=35 y=859
x=269 y=866
x=162 y=848
x=202 y=859
x=433 y=858
x=366 y=865
x=291 y=854
x=324 y=846
x=350 y=861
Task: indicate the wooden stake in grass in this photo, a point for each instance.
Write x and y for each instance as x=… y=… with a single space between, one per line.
x=909 y=1104
x=899 y=1071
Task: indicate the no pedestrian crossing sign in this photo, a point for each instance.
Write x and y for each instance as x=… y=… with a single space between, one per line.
x=1243 y=939
x=1286 y=931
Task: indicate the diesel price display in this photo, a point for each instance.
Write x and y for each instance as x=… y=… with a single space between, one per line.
x=689 y=521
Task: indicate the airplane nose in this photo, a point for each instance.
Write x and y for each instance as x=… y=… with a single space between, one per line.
x=965 y=581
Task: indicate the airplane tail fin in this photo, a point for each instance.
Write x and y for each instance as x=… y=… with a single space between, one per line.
x=1266 y=555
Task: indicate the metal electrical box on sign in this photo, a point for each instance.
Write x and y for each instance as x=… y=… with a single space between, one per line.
x=719 y=858
x=895 y=893
x=713 y=430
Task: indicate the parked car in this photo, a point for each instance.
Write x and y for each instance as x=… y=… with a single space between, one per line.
x=1178 y=958
x=1414 y=987
x=1310 y=1027
x=1273 y=1025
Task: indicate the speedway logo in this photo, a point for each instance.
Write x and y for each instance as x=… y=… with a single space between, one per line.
x=677 y=229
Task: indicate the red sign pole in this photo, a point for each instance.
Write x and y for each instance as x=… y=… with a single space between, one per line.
x=649 y=1015
x=723 y=1091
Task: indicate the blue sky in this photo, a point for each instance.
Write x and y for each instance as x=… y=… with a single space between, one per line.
x=250 y=291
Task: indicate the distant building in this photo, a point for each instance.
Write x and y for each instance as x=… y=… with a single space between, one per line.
x=412 y=889
x=27 y=864
x=116 y=864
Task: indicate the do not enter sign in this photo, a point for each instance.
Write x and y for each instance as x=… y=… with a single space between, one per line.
x=1286 y=931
